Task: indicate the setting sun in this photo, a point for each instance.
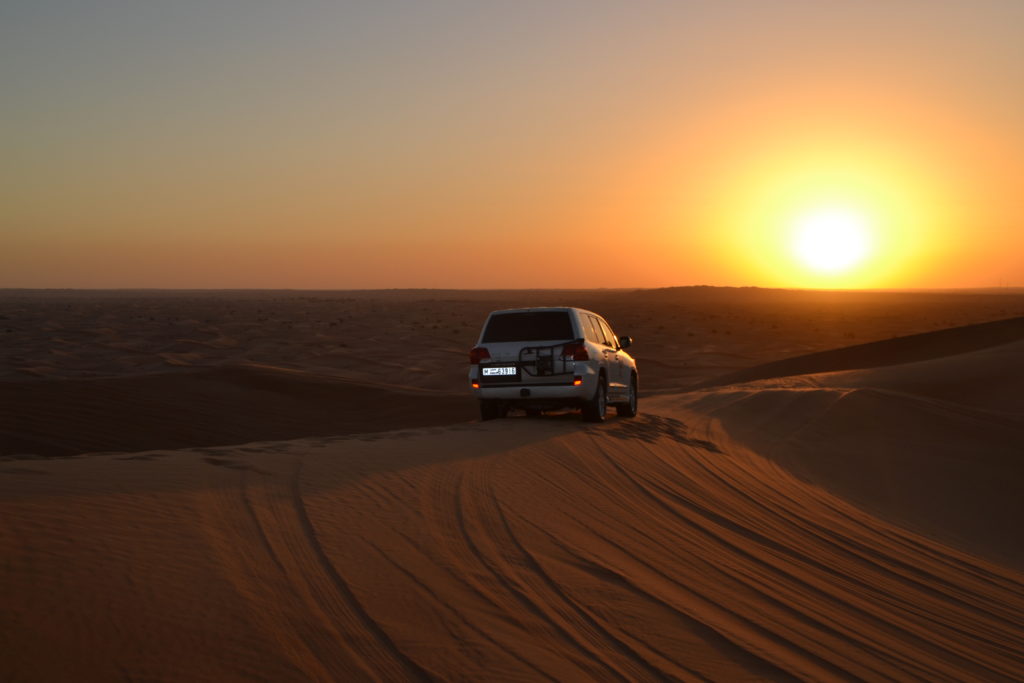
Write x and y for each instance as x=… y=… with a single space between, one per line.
x=831 y=240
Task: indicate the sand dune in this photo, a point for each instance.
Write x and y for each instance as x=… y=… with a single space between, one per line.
x=937 y=445
x=845 y=525
x=520 y=549
x=420 y=337
x=989 y=379
x=88 y=371
x=904 y=349
x=207 y=407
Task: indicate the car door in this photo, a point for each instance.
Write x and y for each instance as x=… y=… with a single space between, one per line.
x=600 y=339
x=615 y=366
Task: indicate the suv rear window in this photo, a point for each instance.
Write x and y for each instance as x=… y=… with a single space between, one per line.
x=529 y=326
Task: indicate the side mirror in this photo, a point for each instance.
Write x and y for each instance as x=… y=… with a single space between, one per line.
x=625 y=341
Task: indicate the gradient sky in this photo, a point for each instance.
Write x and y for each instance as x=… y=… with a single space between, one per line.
x=230 y=143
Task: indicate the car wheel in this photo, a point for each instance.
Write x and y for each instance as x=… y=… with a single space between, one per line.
x=594 y=410
x=629 y=408
x=491 y=409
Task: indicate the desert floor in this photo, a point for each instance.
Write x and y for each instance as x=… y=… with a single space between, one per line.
x=294 y=486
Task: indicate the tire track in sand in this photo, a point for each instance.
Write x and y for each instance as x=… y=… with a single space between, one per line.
x=586 y=555
x=270 y=551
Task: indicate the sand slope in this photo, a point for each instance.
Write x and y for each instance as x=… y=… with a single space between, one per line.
x=207 y=407
x=937 y=445
x=904 y=349
x=517 y=549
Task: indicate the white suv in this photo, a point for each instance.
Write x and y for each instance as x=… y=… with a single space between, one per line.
x=543 y=358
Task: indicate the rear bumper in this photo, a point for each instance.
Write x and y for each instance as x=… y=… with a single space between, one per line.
x=535 y=392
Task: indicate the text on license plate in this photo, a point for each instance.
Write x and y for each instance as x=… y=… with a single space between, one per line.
x=490 y=372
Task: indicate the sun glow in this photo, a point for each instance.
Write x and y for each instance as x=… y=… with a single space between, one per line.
x=831 y=240
x=822 y=214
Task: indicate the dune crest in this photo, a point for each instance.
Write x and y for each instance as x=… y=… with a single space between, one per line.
x=899 y=350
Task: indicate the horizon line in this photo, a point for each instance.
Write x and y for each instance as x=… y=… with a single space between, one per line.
x=989 y=289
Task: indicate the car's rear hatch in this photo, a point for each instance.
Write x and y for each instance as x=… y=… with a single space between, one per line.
x=526 y=347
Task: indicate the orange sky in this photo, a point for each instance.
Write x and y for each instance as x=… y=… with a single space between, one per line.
x=567 y=144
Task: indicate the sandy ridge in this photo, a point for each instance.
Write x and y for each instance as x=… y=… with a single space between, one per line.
x=904 y=349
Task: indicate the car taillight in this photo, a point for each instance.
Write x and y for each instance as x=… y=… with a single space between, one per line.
x=478 y=354
x=576 y=351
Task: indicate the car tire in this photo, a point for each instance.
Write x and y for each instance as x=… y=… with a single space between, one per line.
x=629 y=407
x=596 y=408
x=491 y=409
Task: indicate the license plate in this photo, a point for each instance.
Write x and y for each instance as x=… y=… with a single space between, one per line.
x=500 y=371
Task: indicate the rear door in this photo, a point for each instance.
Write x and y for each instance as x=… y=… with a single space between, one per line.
x=528 y=342
x=606 y=345
x=618 y=373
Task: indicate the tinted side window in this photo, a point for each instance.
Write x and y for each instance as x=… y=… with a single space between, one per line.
x=529 y=326
x=591 y=330
x=609 y=335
